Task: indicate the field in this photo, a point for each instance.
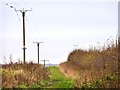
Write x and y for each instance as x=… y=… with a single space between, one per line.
x=93 y=68
x=22 y=75
x=33 y=76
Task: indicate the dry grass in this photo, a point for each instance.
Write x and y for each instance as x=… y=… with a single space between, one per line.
x=88 y=67
x=14 y=75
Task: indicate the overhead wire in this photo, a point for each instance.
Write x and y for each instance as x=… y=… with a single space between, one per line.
x=30 y=21
x=34 y=20
x=19 y=21
x=35 y=24
x=36 y=33
x=11 y=6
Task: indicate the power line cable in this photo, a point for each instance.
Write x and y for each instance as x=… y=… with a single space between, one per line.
x=11 y=6
x=34 y=20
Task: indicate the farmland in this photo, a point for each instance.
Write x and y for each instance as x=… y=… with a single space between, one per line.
x=65 y=43
x=95 y=68
x=22 y=75
x=34 y=76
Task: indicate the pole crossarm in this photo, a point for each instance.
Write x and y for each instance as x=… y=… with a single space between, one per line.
x=37 y=42
x=38 y=49
x=23 y=15
x=23 y=10
x=44 y=62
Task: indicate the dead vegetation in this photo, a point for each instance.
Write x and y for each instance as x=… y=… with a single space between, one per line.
x=14 y=75
x=93 y=68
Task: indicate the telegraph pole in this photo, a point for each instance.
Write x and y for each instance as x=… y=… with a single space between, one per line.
x=44 y=66
x=44 y=62
x=23 y=15
x=38 y=49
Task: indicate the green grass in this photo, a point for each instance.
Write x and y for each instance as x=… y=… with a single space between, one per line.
x=59 y=80
x=56 y=73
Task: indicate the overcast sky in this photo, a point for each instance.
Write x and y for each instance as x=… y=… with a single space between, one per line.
x=59 y=24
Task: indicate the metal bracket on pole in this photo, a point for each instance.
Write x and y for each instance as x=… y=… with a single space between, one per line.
x=38 y=49
x=23 y=15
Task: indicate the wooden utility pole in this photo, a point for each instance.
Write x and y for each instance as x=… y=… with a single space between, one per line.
x=38 y=49
x=44 y=62
x=44 y=67
x=23 y=15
